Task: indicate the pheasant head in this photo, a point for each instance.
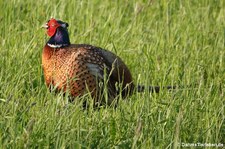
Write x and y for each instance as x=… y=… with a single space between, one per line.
x=57 y=30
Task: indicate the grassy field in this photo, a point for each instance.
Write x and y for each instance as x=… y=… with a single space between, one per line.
x=163 y=43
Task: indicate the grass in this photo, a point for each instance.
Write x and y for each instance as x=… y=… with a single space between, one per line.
x=162 y=42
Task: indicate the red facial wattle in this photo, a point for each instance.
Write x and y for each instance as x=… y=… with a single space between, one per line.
x=52 y=27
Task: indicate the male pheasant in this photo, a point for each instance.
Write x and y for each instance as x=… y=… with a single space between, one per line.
x=82 y=68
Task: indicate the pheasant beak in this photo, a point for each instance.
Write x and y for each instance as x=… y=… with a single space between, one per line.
x=44 y=26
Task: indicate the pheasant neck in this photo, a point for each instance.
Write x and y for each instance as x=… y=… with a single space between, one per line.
x=60 y=39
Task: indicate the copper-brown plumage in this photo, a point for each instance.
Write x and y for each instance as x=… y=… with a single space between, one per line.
x=81 y=68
